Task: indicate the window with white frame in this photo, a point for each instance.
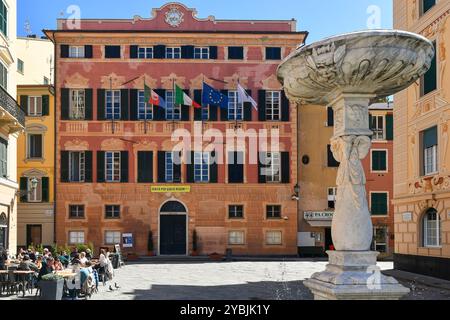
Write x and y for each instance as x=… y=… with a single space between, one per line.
x=432 y=229
x=273 y=212
x=274 y=238
x=173 y=112
x=169 y=167
x=112 y=163
x=34 y=195
x=112 y=212
x=235 y=107
x=112 y=237
x=77 y=104
x=236 y=212
x=201 y=53
x=236 y=237
x=77 y=166
x=429 y=141
x=34 y=149
x=145 y=53
x=76 y=211
x=76 y=52
x=377 y=125
x=201 y=166
x=3 y=76
x=332 y=193
x=3 y=158
x=3 y=18
x=273 y=169
x=173 y=53
x=35 y=106
x=20 y=66
x=112 y=104
x=145 y=109
x=380 y=239
x=273 y=103
x=76 y=237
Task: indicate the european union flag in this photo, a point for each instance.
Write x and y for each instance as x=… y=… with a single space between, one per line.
x=214 y=97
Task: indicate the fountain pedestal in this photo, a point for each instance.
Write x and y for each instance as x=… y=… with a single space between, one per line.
x=349 y=72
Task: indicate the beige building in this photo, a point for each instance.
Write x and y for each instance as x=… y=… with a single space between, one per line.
x=35 y=57
x=12 y=121
x=422 y=149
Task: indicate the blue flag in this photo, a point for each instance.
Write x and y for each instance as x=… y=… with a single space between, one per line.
x=214 y=97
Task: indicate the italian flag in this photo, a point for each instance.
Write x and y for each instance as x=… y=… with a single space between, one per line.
x=184 y=99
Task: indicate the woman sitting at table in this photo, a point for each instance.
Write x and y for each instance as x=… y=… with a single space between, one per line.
x=39 y=262
x=83 y=258
x=47 y=267
x=64 y=258
x=88 y=254
x=58 y=265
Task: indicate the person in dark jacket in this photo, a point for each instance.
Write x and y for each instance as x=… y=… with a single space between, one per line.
x=27 y=265
x=47 y=267
x=3 y=258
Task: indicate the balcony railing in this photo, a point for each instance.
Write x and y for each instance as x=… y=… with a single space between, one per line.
x=9 y=104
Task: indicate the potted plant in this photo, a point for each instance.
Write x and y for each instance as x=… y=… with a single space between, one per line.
x=150 y=246
x=51 y=287
x=194 y=243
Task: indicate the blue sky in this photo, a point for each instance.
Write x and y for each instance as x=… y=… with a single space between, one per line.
x=321 y=18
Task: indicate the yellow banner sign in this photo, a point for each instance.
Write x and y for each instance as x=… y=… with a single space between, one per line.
x=174 y=189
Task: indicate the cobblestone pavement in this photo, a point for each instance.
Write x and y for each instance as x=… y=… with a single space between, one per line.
x=237 y=281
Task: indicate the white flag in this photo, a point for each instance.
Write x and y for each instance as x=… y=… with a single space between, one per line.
x=243 y=96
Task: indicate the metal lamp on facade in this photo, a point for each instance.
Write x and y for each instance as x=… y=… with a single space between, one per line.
x=296 y=195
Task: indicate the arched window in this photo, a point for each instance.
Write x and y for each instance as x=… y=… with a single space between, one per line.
x=173 y=206
x=431 y=224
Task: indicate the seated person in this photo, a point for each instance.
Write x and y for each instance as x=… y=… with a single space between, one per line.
x=39 y=262
x=58 y=265
x=83 y=258
x=27 y=265
x=89 y=254
x=32 y=255
x=64 y=258
x=3 y=259
x=47 y=267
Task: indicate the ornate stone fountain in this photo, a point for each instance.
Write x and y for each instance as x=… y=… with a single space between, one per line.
x=348 y=72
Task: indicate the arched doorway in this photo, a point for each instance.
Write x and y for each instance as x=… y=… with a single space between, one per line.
x=173 y=228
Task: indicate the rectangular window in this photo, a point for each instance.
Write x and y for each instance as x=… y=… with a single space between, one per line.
x=274 y=238
x=173 y=112
x=173 y=53
x=379 y=160
x=378 y=127
x=332 y=193
x=112 y=165
x=145 y=53
x=3 y=158
x=112 y=237
x=236 y=212
x=35 y=106
x=112 y=52
x=20 y=66
x=145 y=109
x=331 y=161
x=76 y=237
x=201 y=53
x=201 y=166
x=429 y=141
x=35 y=146
x=273 y=167
x=380 y=239
x=273 y=53
x=426 y=5
x=3 y=77
x=330 y=117
x=3 y=19
x=236 y=237
x=34 y=195
x=112 y=212
x=77 y=166
x=379 y=203
x=273 y=105
x=236 y=53
x=273 y=212
x=235 y=107
x=113 y=105
x=169 y=167
x=76 y=212
x=77 y=106
x=428 y=81
x=76 y=52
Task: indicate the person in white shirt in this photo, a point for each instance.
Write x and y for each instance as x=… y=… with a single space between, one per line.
x=83 y=258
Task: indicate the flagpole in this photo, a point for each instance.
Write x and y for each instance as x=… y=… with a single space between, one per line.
x=235 y=113
x=145 y=109
x=201 y=109
x=173 y=105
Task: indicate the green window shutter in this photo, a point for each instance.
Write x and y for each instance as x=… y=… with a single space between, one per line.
x=389 y=127
x=24 y=104
x=45 y=189
x=379 y=160
x=45 y=105
x=24 y=189
x=379 y=204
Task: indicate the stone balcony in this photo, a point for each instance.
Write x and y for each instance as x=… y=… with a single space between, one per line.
x=10 y=113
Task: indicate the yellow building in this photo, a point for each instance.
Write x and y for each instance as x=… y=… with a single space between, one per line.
x=35 y=171
x=422 y=149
